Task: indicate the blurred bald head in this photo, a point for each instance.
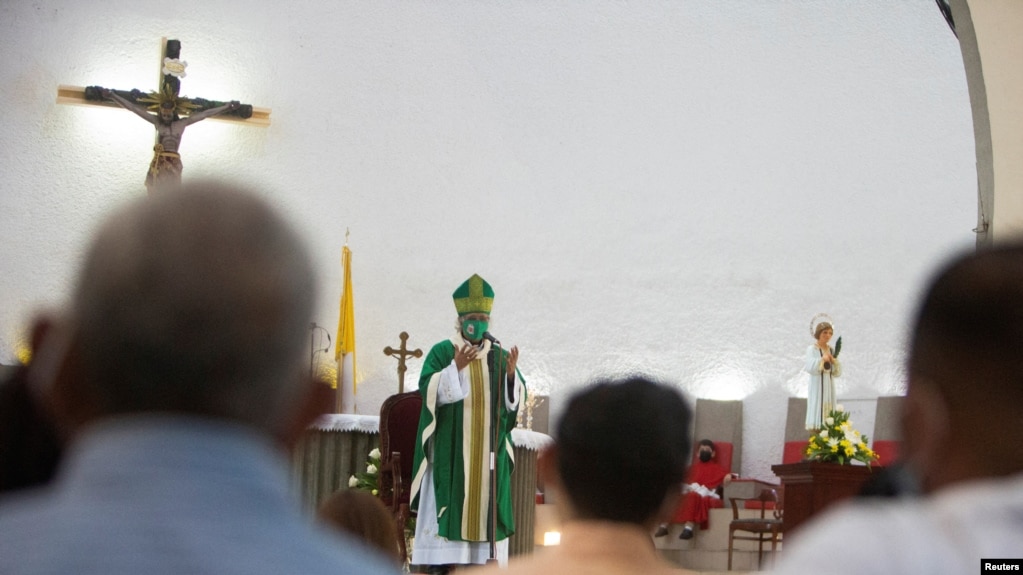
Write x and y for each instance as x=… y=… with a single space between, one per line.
x=195 y=301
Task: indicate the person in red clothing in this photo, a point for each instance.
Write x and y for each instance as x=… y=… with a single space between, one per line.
x=701 y=493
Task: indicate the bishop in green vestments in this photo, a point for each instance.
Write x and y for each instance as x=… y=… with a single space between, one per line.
x=470 y=390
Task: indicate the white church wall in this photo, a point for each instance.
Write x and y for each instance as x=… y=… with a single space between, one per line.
x=665 y=187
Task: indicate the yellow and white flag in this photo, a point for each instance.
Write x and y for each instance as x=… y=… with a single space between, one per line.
x=344 y=348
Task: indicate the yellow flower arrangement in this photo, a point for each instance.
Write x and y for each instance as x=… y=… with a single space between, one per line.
x=838 y=442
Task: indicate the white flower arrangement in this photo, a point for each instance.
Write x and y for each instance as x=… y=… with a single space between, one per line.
x=370 y=480
x=838 y=442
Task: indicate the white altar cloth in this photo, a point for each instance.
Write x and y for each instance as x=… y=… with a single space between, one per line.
x=523 y=438
x=347 y=422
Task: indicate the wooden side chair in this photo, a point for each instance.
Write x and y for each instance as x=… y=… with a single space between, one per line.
x=399 y=423
x=760 y=529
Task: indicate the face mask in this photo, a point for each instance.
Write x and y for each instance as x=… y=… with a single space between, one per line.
x=473 y=329
x=705 y=456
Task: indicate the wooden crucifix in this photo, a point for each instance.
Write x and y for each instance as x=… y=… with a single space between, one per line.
x=164 y=109
x=401 y=353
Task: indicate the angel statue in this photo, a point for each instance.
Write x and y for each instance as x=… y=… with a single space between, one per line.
x=822 y=366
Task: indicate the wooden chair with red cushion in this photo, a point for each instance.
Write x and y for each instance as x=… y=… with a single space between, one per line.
x=794 y=451
x=887 y=452
x=399 y=424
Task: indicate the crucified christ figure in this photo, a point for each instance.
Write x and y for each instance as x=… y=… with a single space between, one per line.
x=166 y=165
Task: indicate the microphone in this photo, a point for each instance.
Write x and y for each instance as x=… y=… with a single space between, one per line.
x=313 y=327
x=488 y=336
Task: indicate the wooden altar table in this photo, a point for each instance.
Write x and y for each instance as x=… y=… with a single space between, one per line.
x=528 y=445
x=336 y=446
x=812 y=486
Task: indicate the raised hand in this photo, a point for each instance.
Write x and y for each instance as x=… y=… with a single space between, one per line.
x=513 y=358
x=464 y=355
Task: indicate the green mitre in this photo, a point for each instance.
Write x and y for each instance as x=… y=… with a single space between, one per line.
x=474 y=296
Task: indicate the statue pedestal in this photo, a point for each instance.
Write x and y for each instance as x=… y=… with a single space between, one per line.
x=812 y=486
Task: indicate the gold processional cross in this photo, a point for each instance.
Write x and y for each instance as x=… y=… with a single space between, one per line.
x=169 y=112
x=401 y=354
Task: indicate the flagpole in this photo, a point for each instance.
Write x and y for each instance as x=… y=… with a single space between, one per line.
x=345 y=349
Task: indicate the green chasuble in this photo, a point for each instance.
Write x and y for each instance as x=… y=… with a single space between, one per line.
x=456 y=437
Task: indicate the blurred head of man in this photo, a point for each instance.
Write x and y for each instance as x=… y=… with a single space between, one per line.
x=621 y=451
x=194 y=301
x=965 y=384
